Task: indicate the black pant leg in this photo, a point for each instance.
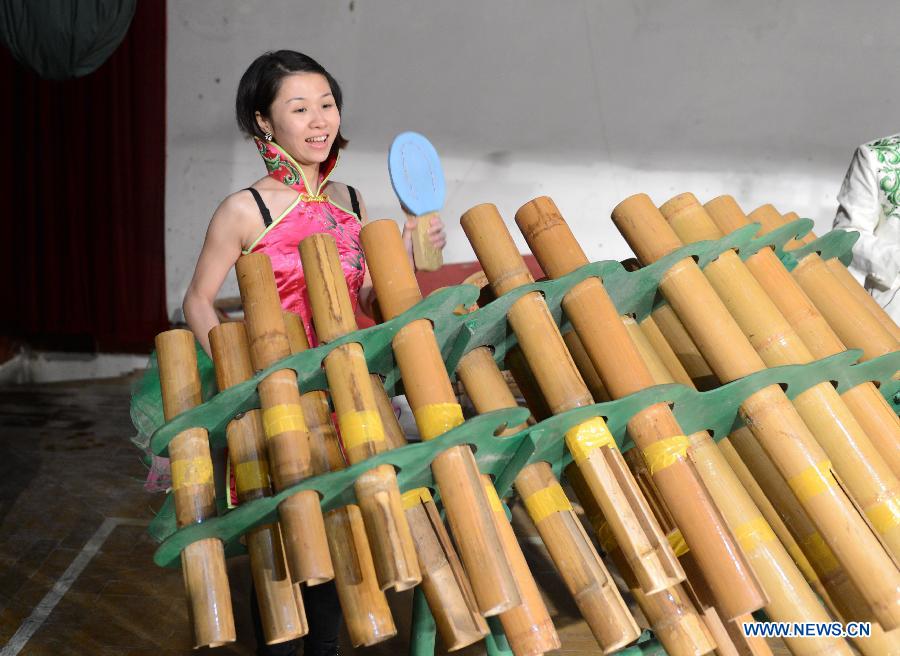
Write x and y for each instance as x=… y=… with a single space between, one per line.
x=323 y=613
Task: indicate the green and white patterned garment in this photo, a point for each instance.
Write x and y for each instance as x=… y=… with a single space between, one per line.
x=869 y=202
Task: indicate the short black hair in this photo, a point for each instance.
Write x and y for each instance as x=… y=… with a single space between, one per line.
x=260 y=83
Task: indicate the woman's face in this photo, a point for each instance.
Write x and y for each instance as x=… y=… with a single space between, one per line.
x=303 y=118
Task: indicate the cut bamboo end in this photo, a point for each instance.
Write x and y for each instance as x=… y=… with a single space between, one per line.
x=393 y=548
x=281 y=616
x=672 y=616
x=444 y=582
x=392 y=275
x=585 y=575
x=365 y=607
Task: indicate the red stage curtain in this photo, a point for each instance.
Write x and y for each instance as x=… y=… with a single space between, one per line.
x=82 y=199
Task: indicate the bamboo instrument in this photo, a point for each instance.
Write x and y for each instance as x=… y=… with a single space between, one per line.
x=364 y=605
x=727 y=633
x=436 y=411
x=774 y=421
x=573 y=555
x=790 y=597
x=203 y=561
x=868 y=406
x=281 y=613
x=837 y=592
x=524 y=379
x=444 y=581
x=673 y=618
x=654 y=429
x=864 y=474
x=362 y=432
x=641 y=540
x=856 y=326
x=287 y=435
x=528 y=628
x=837 y=268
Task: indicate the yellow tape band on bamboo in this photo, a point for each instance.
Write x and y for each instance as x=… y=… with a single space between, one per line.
x=415 y=496
x=282 y=419
x=437 y=418
x=812 y=481
x=546 y=502
x=360 y=427
x=884 y=515
x=666 y=453
x=584 y=438
x=194 y=471
x=816 y=550
x=676 y=541
x=251 y=475
x=753 y=533
x=493 y=498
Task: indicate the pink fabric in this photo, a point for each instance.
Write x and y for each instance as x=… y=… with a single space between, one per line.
x=314 y=212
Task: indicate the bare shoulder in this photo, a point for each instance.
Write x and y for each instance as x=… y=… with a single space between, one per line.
x=340 y=193
x=237 y=217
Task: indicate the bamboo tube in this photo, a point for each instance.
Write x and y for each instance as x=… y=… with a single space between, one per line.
x=436 y=411
x=869 y=408
x=362 y=432
x=203 y=561
x=521 y=373
x=393 y=433
x=661 y=347
x=583 y=363
x=790 y=598
x=879 y=642
x=363 y=603
x=672 y=616
x=594 y=591
x=729 y=641
x=623 y=372
x=302 y=525
x=588 y=583
x=528 y=628
x=768 y=215
x=865 y=299
x=672 y=330
x=774 y=421
x=282 y=618
x=856 y=326
x=640 y=537
x=864 y=474
x=445 y=584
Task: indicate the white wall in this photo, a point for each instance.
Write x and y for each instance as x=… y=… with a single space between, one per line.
x=585 y=101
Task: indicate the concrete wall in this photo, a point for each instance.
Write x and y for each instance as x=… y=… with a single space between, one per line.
x=586 y=101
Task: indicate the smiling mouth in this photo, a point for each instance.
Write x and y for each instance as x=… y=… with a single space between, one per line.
x=321 y=139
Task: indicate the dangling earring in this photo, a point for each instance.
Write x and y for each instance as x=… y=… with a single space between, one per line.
x=267 y=136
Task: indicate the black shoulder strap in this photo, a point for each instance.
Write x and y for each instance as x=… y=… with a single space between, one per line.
x=354 y=201
x=267 y=217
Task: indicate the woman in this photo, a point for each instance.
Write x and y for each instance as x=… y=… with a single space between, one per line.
x=291 y=107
